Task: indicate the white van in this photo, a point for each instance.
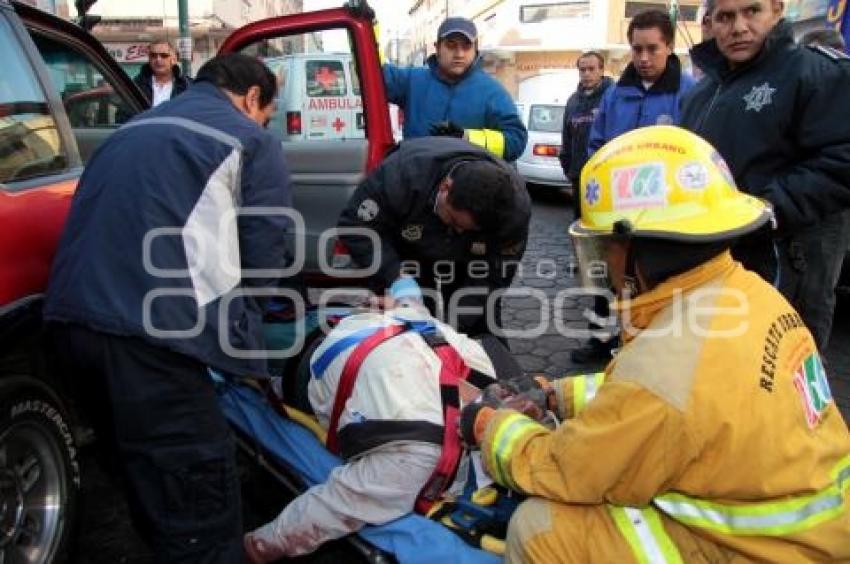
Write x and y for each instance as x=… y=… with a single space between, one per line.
x=319 y=97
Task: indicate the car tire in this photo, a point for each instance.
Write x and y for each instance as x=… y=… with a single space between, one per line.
x=39 y=474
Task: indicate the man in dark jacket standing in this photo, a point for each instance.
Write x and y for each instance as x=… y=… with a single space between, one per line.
x=451 y=215
x=158 y=277
x=160 y=78
x=579 y=113
x=776 y=113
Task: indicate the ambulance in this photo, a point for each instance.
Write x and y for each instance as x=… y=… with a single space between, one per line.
x=318 y=97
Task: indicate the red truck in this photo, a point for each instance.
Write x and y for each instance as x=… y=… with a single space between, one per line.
x=61 y=95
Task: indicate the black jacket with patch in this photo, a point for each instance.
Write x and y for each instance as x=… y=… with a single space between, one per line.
x=781 y=122
x=397 y=202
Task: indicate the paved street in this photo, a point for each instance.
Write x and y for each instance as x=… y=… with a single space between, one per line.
x=106 y=536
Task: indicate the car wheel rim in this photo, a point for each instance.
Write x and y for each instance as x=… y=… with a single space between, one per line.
x=32 y=489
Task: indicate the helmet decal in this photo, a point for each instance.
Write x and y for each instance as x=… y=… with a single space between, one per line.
x=692 y=176
x=640 y=186
x=591 y=191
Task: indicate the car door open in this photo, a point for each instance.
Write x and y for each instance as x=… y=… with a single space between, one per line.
x=332 y=115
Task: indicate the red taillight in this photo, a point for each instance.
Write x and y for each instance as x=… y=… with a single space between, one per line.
x=293 y=123
x=546 y=150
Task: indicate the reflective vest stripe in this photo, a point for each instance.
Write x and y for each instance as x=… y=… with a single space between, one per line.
x=772 y=518
x=490 y=139
x=645 y=534
x=511 y=430
x=584 y=390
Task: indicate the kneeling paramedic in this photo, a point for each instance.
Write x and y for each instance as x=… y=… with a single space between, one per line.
x=712 y=435
x=387 y=387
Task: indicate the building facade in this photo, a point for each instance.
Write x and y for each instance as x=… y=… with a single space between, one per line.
x=127 y=27
x=522 y=39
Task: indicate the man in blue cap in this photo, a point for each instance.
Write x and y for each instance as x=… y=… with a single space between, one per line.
x=453 y=96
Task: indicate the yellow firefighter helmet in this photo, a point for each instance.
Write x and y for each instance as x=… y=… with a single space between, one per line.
x=664 y=182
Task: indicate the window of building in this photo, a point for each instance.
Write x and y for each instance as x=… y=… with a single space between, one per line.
x=29 y=141
x=536 y=13
x=686 y=13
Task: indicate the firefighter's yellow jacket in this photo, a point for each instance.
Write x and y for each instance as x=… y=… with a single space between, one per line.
x=716 y=413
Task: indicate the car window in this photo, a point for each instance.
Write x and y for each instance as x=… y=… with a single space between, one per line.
x=315 y=101
x=29 y=140
x=325 y=78
x=547 y=118
x=355 y=80
x=90 y=100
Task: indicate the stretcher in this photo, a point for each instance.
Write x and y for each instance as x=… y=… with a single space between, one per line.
x=289 y=445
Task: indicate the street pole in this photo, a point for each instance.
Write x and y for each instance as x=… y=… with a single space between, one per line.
x=184 y=45
x=674 y=15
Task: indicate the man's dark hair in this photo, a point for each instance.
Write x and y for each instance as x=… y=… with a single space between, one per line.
x=596 y=54
x=827 y=37
x=484 y=189
x=649 y=19
x=237 y=73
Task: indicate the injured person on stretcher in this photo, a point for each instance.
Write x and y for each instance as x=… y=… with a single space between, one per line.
x=388 y=387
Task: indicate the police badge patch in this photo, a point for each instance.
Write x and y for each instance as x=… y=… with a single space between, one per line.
x=759 y=97
x=368 y=210
x=412 y=233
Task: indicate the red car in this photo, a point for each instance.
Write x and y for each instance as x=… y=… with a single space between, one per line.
x=61 y=96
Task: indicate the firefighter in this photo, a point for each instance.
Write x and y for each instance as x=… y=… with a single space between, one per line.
x=712 y=436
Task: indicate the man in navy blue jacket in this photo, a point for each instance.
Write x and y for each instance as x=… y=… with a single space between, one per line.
x=453 y=95
x=151 y=286
x=649 y=90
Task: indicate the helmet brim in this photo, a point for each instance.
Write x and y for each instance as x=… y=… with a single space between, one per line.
x=686 y=223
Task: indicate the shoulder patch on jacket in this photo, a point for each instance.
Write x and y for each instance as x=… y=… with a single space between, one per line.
x=833 y=54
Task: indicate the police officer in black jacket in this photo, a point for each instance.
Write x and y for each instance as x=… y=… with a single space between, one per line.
x=777 y=113
x=449 y=214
